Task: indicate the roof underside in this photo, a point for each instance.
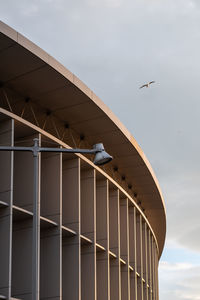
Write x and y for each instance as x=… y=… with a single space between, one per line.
x=30 y=72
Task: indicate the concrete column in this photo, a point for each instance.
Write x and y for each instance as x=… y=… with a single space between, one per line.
x=71 y=247
x=114 y=234
x=6 y=201
x=102 y=227
x=88 y=234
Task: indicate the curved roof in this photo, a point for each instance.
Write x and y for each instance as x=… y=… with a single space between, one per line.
x=31 y=72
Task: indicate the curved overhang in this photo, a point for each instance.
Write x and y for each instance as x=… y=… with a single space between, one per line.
x=31 y=73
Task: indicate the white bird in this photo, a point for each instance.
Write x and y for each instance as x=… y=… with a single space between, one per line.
x=147 y=84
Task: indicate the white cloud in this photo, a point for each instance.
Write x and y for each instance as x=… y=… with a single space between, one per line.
x=105 y=3
x=179 y=281
x=166 y=266
x=31 y=10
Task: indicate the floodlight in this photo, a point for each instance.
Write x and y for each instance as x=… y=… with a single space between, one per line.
x=101 y=156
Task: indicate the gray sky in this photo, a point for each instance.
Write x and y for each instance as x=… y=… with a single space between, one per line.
x=114 y=46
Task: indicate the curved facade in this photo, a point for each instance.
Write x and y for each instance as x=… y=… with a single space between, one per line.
x=101 y=230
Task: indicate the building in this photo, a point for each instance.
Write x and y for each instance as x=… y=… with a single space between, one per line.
x=101 y=230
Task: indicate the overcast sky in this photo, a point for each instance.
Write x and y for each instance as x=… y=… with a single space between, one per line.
x=114 y=46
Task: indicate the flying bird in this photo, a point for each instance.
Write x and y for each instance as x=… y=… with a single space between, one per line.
x=147 y=84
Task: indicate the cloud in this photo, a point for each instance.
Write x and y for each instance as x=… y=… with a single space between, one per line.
x=105 y=3
x=166 y=266
x=182 y=192
x=179 y=281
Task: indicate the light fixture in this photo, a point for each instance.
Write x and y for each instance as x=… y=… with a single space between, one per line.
x=101 y=156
